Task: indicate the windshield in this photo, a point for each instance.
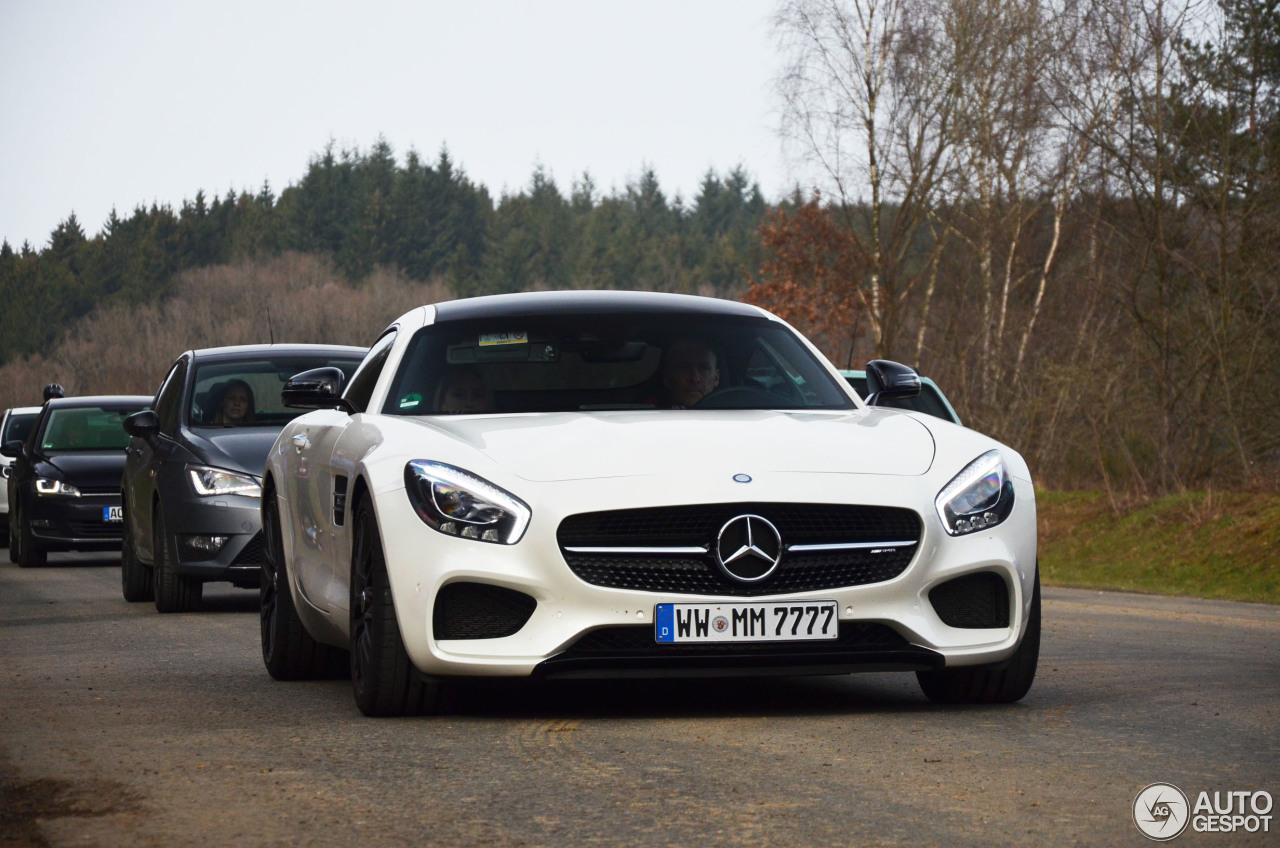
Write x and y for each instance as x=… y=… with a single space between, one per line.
x=610 y=362
x=246 y=393
x=90 y=428
x=17 y=426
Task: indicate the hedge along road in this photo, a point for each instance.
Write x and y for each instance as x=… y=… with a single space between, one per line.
x=119 y=726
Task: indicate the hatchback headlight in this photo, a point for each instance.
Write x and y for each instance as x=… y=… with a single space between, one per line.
x=458 y=503
x=980 y=496
x=219 y=481
x=49 y=487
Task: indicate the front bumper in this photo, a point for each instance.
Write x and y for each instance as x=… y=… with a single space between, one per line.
x=557 y=638
x=236 y=519
x=73 y=524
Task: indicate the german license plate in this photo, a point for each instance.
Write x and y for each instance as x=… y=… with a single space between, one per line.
x=761 y=621
x=113 y=513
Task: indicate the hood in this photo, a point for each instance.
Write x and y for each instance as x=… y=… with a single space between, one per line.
x=576 y=446
x=233 y=448
x=89 y=471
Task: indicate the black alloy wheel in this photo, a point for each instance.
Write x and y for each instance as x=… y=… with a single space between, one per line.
x=173 y=592
x=288 y=650
x=998 y=683
x=383 y=679
x=136 y=580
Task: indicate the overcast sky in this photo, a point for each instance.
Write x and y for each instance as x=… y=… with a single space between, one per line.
x=107 y=103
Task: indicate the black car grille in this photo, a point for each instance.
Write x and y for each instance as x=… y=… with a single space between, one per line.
x=479 y=611
x=890 y=533
x=639 y=640
x=96 y=529
x=973 y=601
x=252 y=553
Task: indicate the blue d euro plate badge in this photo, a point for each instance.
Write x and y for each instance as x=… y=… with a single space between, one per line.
x=113 y=513
x=759 y=621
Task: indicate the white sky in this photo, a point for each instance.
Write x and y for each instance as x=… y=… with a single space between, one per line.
x=111 y=103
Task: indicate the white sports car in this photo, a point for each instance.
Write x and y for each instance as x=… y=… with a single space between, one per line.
x=621 y=484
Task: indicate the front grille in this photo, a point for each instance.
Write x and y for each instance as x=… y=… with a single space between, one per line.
x=698 y=526
x=96 y=529
x=251 y=555
x=974 y=601
x=639 y=640
x=479 y=611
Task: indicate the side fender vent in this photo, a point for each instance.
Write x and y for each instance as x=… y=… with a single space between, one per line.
x=339 y=501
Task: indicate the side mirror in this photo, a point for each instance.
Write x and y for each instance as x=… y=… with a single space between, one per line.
x=319 y=388
x=144 y=424
x=12 y=449
x=888 y=380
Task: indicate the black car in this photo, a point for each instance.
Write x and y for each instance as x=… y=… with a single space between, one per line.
x=64 y=484
x=191 y=482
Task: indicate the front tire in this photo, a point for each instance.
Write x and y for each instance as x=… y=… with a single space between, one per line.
x=136 y=580
x=174 y=592
x=383 y=679
x=288 y=650
x=1001 y=683
x=25 y=552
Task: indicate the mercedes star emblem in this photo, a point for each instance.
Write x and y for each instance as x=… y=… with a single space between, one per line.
x=748 y=548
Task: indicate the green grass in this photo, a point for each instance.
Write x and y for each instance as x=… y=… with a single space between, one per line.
x=1209 y=545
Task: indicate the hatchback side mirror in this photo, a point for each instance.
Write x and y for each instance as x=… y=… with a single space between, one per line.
x=12 y=449
x=319 y=388
x=889 y=380
x=144 y=424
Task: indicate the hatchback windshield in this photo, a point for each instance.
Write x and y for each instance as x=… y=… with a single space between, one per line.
x=610 y=362
x=246 y=393
x=87 y=428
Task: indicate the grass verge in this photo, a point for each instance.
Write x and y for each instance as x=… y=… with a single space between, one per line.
x=1205 y=544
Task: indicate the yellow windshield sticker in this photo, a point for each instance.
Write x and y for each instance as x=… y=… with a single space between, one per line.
x=490 y=339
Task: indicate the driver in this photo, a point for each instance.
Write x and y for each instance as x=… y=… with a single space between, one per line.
x=690 y=372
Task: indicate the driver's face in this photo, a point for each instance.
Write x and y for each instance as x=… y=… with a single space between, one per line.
x=690 y=372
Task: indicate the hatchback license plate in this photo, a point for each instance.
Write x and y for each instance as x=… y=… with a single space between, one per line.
x=763 y=621
x=113 y=513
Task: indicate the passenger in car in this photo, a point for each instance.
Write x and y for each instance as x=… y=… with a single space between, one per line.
x=462 y=392
x=690 y=372
x=236 y=404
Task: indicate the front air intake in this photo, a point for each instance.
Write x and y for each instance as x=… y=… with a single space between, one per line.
x=974 y=601
x=479 y=611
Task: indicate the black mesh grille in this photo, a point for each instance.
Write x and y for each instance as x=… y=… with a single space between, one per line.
x=252 y=552
x=688 y=526
x=973 y=601
x=479 y=611
x=96 y=529
x=639 y=641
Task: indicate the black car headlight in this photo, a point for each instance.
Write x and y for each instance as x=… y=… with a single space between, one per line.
x=458 y=503
x=980 y=496
x=219 y=481
x=49 y=487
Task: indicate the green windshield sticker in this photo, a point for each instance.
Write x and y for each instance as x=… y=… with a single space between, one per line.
x=410 y=401
x=519 y=337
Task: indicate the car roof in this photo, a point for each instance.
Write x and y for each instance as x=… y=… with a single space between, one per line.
x=544 y=304
x=22 y=410
x=234 y=352
x=81 y=401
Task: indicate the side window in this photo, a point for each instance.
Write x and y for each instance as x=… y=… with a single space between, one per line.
x=360 y=389
x=168 y=401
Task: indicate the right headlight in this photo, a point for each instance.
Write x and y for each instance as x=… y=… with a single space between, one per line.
x=980 y=496
x=458 y=503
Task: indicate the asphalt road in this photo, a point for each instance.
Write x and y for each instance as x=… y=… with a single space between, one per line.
x=122 y=727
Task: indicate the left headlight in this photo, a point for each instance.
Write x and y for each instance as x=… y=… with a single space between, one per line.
x=458 y=503
x=219 y=481
x=47 y=486
x=980 y=496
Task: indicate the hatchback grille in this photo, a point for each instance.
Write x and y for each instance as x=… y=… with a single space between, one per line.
x=252 y=552
x=96 y=529
x=888 y=536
